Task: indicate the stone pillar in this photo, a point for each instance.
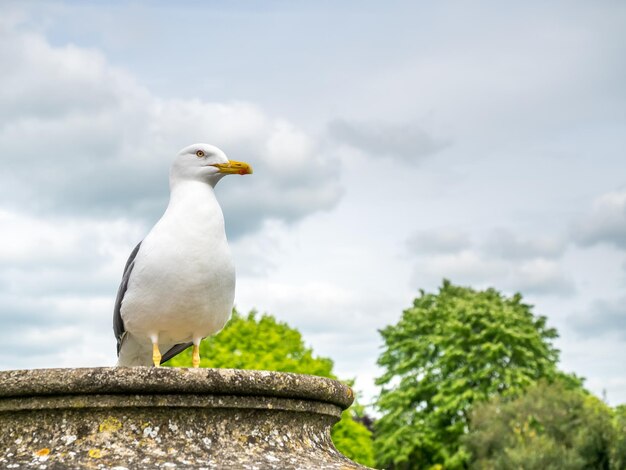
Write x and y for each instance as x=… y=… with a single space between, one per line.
x=145 y=417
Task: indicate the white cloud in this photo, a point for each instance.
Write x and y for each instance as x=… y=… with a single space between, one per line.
x=79 y=136
x=85 y=152
x=57 y=283
x=541 y=277
x=407 y=142
x=256 y=254
x=603 y=318
x=317 y=306
x=505 y=260
x=438 y=240
x=468 y=266
x=605 y=223
x=26 y=240
x=510 y=245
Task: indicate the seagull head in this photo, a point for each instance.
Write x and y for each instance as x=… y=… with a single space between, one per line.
x=207 y=163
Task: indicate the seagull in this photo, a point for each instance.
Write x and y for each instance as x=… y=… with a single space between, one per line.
x=178 y=285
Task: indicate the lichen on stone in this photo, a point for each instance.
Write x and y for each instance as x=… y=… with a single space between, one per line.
x=110 y=424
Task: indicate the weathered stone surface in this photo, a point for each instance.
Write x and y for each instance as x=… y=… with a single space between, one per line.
x=169 y=418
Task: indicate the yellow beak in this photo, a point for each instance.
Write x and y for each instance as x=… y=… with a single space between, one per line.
x=234 y=168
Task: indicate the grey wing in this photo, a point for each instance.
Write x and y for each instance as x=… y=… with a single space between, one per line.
x=118 y=323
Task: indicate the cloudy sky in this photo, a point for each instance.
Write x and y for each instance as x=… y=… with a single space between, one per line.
x=394 y=144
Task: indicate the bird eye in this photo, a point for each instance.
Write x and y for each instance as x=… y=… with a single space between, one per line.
x=200 y=153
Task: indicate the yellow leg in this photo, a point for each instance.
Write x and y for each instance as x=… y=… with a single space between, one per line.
x=156 y=355
x=195 y=356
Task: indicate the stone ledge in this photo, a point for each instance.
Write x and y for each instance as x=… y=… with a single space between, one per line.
x=163 y=380
x=78 y=402
x=135 y=418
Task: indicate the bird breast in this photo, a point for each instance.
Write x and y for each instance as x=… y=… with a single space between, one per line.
x=183 y=282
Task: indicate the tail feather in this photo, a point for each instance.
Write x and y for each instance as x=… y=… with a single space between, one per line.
x=134 y=353
x=175 y=350
x=139 y=353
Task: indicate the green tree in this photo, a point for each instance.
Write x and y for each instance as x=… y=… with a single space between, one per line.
x=549 y=426
x=450 y=349
x=263 y=343
x=353 y=439
x=618 y=451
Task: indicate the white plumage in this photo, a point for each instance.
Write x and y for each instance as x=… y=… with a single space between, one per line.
x=179 y=285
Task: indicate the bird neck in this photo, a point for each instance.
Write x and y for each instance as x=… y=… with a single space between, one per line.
x=194 y=199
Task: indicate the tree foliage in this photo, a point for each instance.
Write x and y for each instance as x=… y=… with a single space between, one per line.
x=257 y=342
x=549 y=426
x=449 y=350
x=353 y=439
x=618 y=451
x=263 y=343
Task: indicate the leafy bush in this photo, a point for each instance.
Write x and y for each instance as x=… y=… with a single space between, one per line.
x=550 y=426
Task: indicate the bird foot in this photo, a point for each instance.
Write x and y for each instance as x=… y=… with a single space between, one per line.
x=156 y=355
x=195 y=356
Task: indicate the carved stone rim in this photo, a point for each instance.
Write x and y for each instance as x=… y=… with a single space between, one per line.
x=166 y=380
x=82 y=402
